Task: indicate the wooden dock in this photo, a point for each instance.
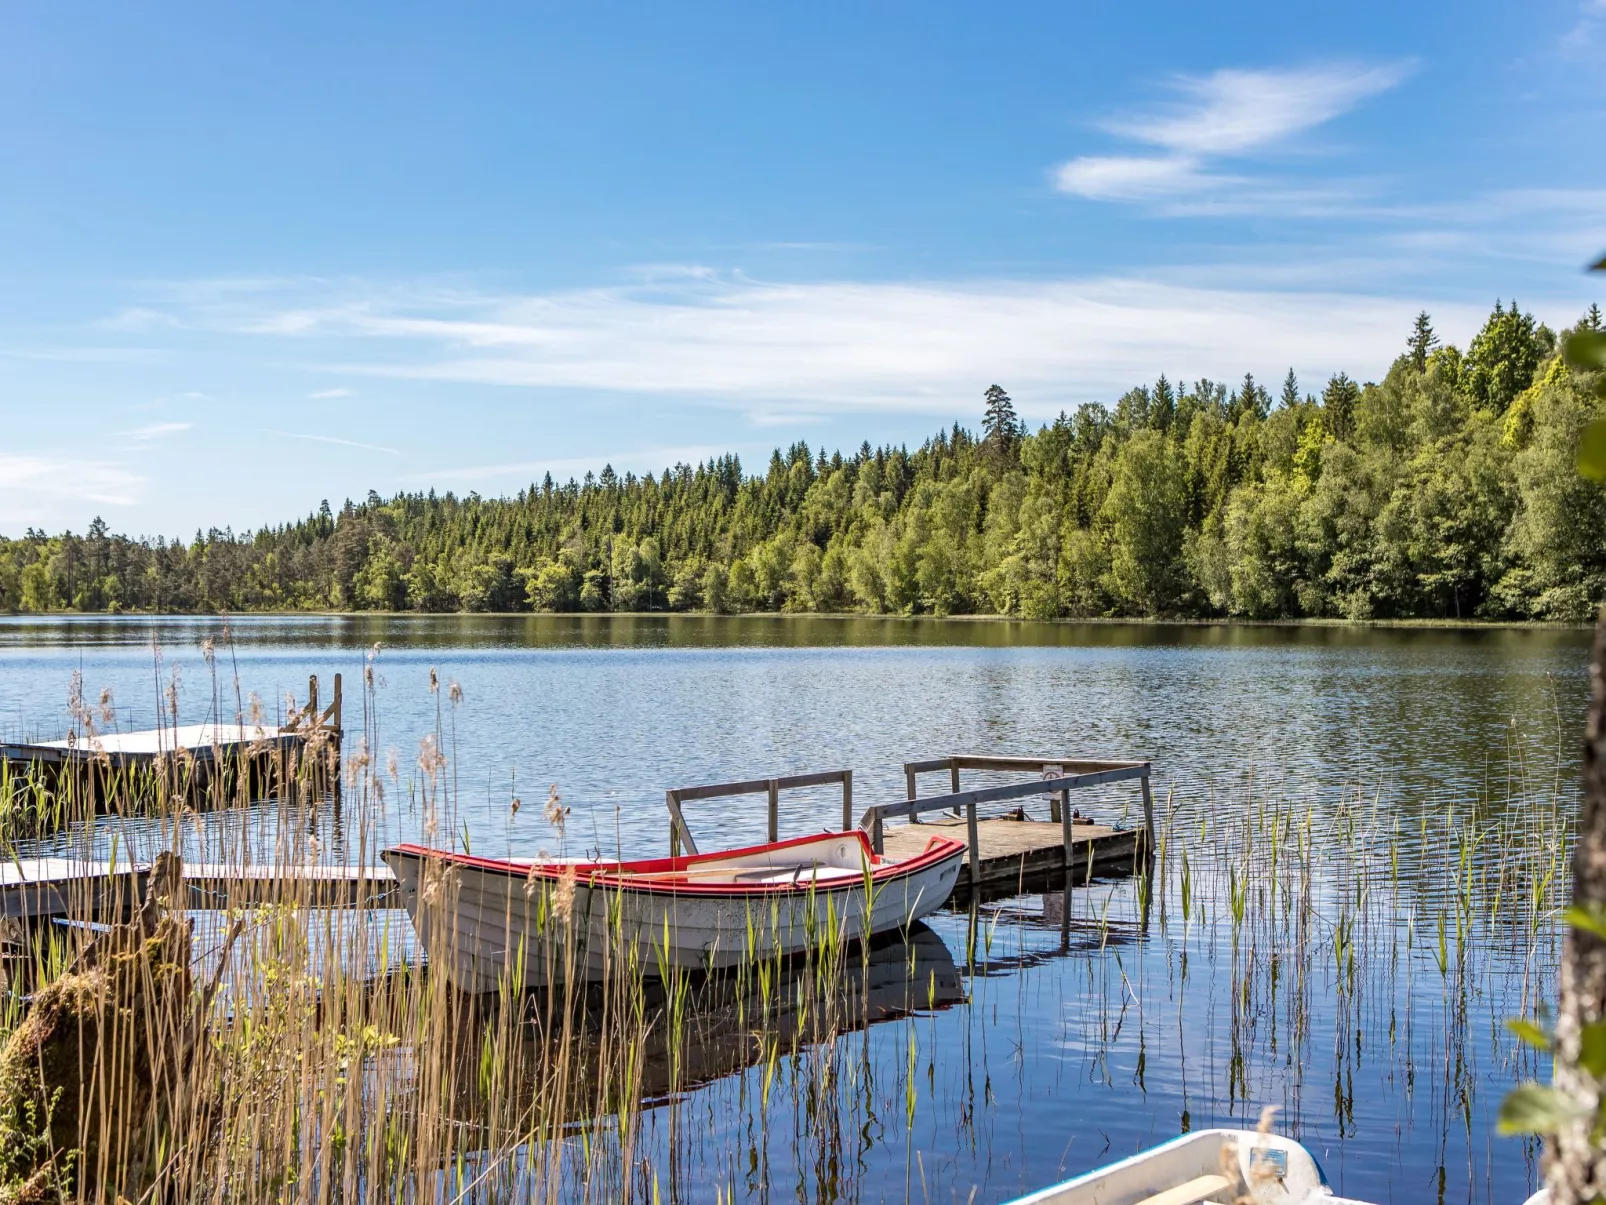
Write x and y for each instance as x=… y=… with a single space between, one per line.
x=1019 y=856
x=214 y=762
x=1007 y=855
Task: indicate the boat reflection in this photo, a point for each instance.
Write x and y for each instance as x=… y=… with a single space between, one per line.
x=671 y=1038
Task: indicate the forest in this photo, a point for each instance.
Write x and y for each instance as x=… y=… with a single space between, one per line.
x=1446 y=490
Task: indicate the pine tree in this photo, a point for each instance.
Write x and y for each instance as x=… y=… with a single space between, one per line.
x=1592 y=319
x=1422 y=341
x=1002 y=428
x=1290 y=396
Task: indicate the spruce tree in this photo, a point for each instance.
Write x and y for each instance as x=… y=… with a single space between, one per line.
x=1290 y=397
x=1422 y=341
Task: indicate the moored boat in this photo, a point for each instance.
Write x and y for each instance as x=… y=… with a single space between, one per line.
x=1208 y=1167
x=489 y=922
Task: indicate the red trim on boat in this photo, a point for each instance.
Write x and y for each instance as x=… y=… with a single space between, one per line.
x=656 y=875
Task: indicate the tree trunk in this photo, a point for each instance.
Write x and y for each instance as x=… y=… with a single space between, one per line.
x=1575 y=1163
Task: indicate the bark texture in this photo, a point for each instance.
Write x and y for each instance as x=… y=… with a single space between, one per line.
x=98 y=1060
x=1575 y=1162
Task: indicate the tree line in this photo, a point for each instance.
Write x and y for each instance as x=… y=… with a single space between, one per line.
x=1446 y=490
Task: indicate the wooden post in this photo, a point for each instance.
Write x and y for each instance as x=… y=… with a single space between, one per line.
x=909 y=781
x=847 y=800
x=312 y=700
x=1057 y=800
x=677 y=826
x=334 y=728
x=1062 y=799
x=953 y=778
x=1148 y=815
x=975 y=846
x=775 y=812
x=877 y=837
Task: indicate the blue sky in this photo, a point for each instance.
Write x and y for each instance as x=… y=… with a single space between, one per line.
x=256 y=257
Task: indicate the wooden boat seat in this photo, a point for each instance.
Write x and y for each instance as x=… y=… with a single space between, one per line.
x=1198 y=1191
x=794 y=874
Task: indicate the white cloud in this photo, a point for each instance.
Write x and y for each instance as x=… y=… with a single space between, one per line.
x=331 y=393
x=1130 y=177
x=33 y=486
x=769 y=348
x=156 y=431
x=1230 y=113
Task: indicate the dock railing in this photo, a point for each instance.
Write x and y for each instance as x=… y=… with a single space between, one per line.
x=679 y=833
x=1060 y=776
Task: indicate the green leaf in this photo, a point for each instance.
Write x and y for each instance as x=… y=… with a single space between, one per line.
x=1530 y=1033
x=1535 y=1109
x=1592 y=1048
x=1590 y=917
x=1585 y=349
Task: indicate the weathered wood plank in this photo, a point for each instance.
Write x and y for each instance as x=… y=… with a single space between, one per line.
x=1013 y=856
x=39 y=888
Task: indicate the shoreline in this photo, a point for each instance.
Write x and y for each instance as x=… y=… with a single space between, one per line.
x=838 y=616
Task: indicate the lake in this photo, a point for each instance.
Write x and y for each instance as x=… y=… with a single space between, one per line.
x=1418 y=785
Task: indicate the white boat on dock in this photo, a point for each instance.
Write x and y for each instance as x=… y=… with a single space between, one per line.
x=487 y=922
x=1209 y=1167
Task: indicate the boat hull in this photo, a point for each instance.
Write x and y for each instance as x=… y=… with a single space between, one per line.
x=1206 y=1165
x=491 y=924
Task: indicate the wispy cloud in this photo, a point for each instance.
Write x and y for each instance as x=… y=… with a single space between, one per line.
x=769 y=349
x=1228 y=114
x=34 y=485
x=331 y=439
x=321 y=394
x=156 y=431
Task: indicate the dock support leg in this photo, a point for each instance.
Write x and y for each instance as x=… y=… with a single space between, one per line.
x=1148 y=817
x=1062 y=798
x=975 y=848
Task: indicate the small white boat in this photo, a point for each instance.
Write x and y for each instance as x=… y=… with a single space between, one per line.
x=1209 y=1167
x=487 y=922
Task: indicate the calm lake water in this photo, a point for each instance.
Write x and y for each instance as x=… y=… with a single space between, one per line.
x=1052 y=1057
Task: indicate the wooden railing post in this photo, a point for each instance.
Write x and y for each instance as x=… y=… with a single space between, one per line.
x=847 y=800
x=953 y=778
x=775 y=812
x=1057 y=800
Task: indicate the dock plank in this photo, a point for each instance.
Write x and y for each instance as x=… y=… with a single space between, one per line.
x=33 y=889
x=1023 y=855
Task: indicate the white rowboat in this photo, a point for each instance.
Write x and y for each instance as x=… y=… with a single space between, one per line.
x=1209 y=1167
x=489 y=923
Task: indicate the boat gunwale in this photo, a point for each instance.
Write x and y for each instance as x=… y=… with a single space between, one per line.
x=638 y=877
